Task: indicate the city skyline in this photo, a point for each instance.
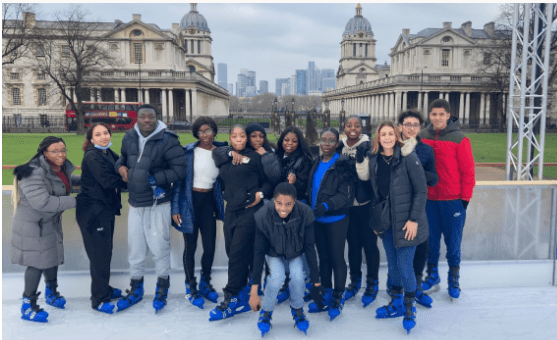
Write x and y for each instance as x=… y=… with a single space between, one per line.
x=275 y=40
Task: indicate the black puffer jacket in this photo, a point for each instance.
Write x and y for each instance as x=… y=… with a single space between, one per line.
x=407 y=194
x=275 y=238
x=162 y=157
x=241 y=182
x=300 y=165
x=337 y=186
x=100 y=186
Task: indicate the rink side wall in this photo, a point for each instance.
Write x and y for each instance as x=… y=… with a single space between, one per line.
x=510 y=235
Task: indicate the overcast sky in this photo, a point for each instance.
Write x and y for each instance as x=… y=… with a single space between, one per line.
x=276 y=39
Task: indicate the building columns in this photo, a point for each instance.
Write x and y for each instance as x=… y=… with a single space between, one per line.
x=441 y=95
x=187 y=104
x=123 y=91
x=404 y=100
x=171 y=104
x=194 y=110
x=116 y=95
x=467 y=109
x=147 y=97
x=92 y=93
x=447 y=96
x=461 y=109
x=164 y=106
x=488 y=109
x=420 y=104
x=482 y=109
x=426 y=105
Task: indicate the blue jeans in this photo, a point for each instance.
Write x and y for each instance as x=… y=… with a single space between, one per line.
x=277 y=267
x=400 y=262
x=445 y=218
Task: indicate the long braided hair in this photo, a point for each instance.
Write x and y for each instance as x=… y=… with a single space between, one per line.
x=25 y=170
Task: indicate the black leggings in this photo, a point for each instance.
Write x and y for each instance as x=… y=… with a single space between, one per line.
x=330 y=239
x=33 y=277
x=239 y=237
x=206 y=224
x=360 y=235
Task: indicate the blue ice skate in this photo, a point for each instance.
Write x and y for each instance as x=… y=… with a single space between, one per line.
x=230 y=307
x=371 y=293
x=431 y=283
x=105 y=307
x=161 y=293
x=394 y=309
x=423 y=299
x=134 y=295
x=454 y=287
x=409 y=320
x=192 y=294
x=337 y=304
x=264 y=323
x=206 y=289
x=353 y=288
x=30 y=311
x=53 y=297
x=300 y=320
x=115 y=293
x=327 y=298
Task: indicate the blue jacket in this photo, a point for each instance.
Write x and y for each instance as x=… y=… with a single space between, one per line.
x=182 y=199
x=426 y=156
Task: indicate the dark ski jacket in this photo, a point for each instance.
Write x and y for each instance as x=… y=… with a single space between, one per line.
x=288 y=241
x=162 y=157
x=100 y=186
x=300 y=165
x=271 y=166
x=337 y=186
x=241 y=182
x=182 y=201
x=425 y=154
x=407 y=194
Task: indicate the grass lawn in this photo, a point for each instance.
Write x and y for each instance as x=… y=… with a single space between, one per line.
x=19 y=148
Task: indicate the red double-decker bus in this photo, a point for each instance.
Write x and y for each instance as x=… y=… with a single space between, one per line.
x=119 y=116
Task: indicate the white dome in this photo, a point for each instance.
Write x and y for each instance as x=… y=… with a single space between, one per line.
x=358 y=23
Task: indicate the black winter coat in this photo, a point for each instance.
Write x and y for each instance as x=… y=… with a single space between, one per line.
x=300 y=165
x=162 y=157
x=100 y=186
x=407 y=195
x=289 y=241
x=362 y=190
x=241 y=182
x=337 y=186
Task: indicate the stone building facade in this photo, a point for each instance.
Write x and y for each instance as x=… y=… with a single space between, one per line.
x=433 y=63
x=171 y=69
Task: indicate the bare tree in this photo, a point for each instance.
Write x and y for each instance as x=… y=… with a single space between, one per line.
x=16 y=29
x=72 y=52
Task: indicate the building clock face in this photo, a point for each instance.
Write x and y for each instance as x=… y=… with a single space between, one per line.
x=192 y=31
x=361 y=35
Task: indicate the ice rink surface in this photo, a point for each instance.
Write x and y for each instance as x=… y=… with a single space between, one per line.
x=480 y=313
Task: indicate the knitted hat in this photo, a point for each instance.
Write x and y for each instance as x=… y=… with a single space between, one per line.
x=251 y=127
x=285 y=188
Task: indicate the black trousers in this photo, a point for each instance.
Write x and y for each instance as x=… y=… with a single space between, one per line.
x=33 y=278
x=205 y=223
x=330 y=239
x=360 y=235
x=420 y=259
x=97 y=238
x=239 y=237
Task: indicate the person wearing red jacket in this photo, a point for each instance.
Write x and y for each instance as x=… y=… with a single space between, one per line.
x=448 y=200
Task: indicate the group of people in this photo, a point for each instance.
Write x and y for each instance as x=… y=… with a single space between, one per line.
x=287 y=217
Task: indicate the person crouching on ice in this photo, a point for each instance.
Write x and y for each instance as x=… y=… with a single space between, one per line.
x=284 y=232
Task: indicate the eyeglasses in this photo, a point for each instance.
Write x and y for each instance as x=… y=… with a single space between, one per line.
x=208 y=132
x=327 y=141
x=56 y=152
x=408 y=125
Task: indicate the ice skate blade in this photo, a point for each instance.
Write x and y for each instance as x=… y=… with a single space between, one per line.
x=433 y=289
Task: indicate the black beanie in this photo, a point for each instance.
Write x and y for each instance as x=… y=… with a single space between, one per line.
x=255 y=127
x=285 y=188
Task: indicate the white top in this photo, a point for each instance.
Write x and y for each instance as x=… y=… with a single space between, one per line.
x=205 y=171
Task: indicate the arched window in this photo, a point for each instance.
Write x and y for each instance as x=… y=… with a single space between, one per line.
x=446 y=39
x=191 y=68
